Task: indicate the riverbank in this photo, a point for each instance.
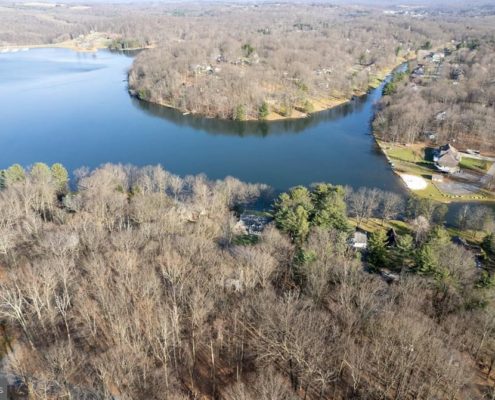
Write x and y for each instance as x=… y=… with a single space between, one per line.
x=89 y=43
x=277 y=113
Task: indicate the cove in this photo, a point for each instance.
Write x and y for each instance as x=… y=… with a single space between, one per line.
x=57 y=105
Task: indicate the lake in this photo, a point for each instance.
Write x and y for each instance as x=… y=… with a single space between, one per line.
x=57 y=105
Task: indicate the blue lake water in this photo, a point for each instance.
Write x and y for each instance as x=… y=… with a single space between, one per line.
x=57 y=105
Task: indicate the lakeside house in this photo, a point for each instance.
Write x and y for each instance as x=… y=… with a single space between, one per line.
x=418 y=73
x=359 y=240
x=447 y=158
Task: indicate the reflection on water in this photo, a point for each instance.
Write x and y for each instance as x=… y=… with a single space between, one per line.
x=250 y=128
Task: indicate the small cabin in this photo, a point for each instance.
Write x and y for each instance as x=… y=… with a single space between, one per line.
x=359 y=240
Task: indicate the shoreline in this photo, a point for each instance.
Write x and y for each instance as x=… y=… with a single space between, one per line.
x=322 y=104
x=61 y=45
x=90 y=43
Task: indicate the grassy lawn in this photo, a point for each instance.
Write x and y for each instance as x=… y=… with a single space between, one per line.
x=411 y=160
x=470 y=236
x=402 y=153
x=373 y=224
x=475 y=165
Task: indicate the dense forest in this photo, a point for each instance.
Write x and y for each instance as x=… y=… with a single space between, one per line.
x=139 y=284
x=271 y=62
x=456 y=104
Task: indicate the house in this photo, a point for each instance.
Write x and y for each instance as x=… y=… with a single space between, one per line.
x=441 y=116
x=418 y=72
x=437 y=57
x=359 y=241
x=433 y=57
x=447 y=158
x=254 y=224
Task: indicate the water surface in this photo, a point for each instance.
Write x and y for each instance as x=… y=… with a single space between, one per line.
x=57 y=105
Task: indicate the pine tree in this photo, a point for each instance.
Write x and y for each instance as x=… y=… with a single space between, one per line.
x=377 y=250
x=264 y=110
x=60 y=177
x=15 y=173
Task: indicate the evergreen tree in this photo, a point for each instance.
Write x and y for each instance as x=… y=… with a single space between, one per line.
x=60 y=177
x=240 y=113
x=15 y=173
x=377 y=250
x=292 y=212
x=330 y=210
x=406 y=249
x=427 y=260
x=263 y=110
x=324 y=207
x=40 y=172
x=3 y=183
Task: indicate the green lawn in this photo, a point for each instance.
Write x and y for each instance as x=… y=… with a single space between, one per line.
x=402 y=153
x=475 y=165
x=373 y=224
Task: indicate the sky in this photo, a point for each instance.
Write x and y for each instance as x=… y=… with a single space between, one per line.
x=434 y=3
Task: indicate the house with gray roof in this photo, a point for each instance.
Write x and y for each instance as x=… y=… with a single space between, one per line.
x=447 y=158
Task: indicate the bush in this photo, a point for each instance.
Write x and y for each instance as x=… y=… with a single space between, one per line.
x=239 y=113
x=308 y=107
x=263 y=110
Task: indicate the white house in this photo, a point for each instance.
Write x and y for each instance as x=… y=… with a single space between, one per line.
x=359 y=240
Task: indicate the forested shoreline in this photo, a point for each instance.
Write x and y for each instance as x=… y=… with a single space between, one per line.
x=272 y=63
x=142 y=284
x=244 y=62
